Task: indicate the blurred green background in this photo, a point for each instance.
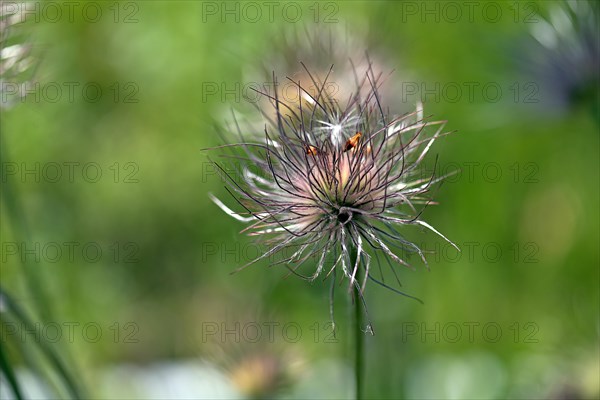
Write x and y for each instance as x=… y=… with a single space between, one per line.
x=515 y=315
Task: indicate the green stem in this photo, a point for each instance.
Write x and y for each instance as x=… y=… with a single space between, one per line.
x=359 y=344
x=359 y=335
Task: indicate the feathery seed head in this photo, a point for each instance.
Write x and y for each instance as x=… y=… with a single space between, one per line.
x=341 y=178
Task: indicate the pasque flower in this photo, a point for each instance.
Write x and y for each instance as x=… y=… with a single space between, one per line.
x=564 y=59
x=341 y=180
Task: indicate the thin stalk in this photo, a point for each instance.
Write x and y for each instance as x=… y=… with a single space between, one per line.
x=359 y=345
x=359 y=335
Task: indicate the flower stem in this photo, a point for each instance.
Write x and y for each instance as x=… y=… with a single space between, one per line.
x=359 y=343
x=359 y=335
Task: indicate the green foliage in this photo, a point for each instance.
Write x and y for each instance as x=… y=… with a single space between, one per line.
x=524 y=210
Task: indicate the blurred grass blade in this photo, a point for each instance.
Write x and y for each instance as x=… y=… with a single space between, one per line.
x=9 y=198
x=8 y=372
x=45 y=347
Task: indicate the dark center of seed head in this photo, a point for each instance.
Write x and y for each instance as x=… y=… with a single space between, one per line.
x=344 y=216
